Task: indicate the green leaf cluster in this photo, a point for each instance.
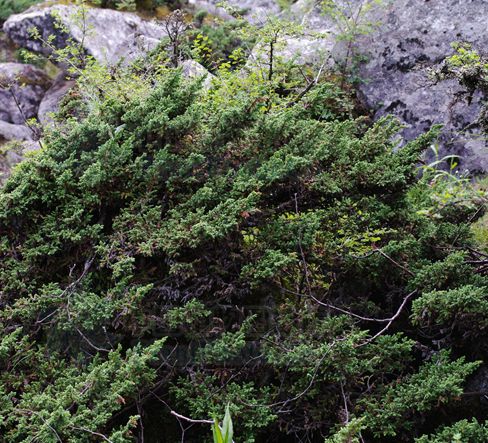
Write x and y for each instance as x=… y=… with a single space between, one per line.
x=9 y=7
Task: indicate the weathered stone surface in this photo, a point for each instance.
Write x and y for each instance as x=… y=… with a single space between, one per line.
x=52 y=97
x=256 y=11
x=309 y=13
x=111 y=36
x=107 y=35
x=303 y=50
x=192 y=69
x=7 y=49
x=414 y=36
x=9 y=131
x=24 y=86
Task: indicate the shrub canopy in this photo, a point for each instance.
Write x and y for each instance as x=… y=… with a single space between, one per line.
x=187 y=248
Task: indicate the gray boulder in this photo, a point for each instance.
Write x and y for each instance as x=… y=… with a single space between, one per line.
x=50 y=102
x=255 y=11
x=22 y=89
x=107 y=35
x=7 y=49
x=415 y=35
x=309 y=14
x=191 y=69
x=9 y=131
x=301 y=50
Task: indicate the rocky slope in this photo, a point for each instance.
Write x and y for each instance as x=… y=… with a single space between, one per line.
x=416 y=35
x=411 y=37
x=23 y=87
x=107 y=35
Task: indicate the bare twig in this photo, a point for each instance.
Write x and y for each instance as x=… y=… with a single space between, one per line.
x=336 y=308
x=179 y=416
x=304 y=261
x=310 y=85
x=98 y=434
x=175 y=27
x=400 y=309
x=140 y=411
x=408 y=271
x=190 y=420
x=346 y=409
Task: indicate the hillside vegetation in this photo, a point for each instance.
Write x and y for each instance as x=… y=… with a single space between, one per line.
x=179 y=245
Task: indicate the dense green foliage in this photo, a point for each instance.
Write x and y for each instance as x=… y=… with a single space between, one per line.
x=9 y=7
x=177 y=247
x=462 y=431
x=211 y=43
